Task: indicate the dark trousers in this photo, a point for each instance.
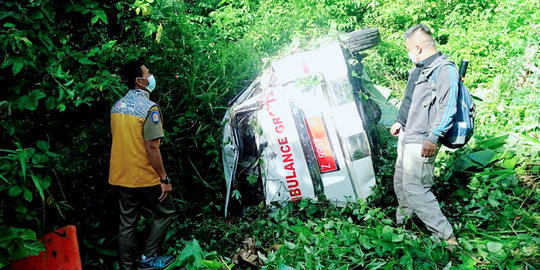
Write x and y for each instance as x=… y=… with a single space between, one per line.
x=132 y=201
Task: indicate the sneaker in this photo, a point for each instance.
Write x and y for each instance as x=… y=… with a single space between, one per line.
x=411 y=234
x=451 y=243
x=157 y=262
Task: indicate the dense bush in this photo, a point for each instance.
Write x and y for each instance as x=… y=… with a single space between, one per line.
x=60 y=77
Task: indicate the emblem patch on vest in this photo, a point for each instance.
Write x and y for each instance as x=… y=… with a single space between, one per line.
x=155 y=117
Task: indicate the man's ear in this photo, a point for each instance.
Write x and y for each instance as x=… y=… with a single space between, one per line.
x=419 y=49
x=138 y=81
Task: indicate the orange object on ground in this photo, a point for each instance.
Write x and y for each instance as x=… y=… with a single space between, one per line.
x=61 y=253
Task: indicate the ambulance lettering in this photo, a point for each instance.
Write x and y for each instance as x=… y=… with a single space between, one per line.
x=285 y=148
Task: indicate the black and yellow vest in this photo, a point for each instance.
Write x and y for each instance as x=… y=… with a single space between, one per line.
x=129 y=164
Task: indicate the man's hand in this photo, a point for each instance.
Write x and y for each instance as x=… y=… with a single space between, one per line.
x=395 y=129
x=428 y=149
x=165 y=191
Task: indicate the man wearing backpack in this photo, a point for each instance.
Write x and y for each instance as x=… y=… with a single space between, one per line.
x=425 y=115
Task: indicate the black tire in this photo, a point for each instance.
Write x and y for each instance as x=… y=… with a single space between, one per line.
x=362 y=39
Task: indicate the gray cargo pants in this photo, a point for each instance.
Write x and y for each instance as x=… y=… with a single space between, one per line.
x=413 y=179
x=131 y=201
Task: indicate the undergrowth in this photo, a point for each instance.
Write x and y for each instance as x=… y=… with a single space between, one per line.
x=493 y=211
x=60 y=77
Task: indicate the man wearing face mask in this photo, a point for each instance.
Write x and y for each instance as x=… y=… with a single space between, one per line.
x=424 y=116
x=136 y=169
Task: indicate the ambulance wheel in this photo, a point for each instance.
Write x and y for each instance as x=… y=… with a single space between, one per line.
x=362 y=39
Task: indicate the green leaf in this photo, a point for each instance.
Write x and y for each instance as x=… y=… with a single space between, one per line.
x=192 y=252
x=466 y=245
x=37 y=15
x=14 y=191
x=22 y=161
x=30 y=101
x=86 y=61
x=492 y=200
x=48 y=11
x=236 y=194
x=483 y=157
x=289 y=245
x=46 y=182
x=69 y=82
x=7 y=62
x=100 y=14
x=285 y=267
x=493 y=143
x=375 y=265
x=52 y=154
x=28 y=248
x=406 y=260
x=159 y=32
x=535 y=169
x=93 y=51
x=9 y=25
x=210 y=264
x=303 y=203
x=27 y=195
x=464 y=163
x=38 y=186
x=330 y=225
x=17 y=66
x=10 y=14
x=61 y=107
x=397 y=238
x=510 y=164
x=26 y=41
x=11 y=234
x=5 y=180
x=59 y=72
x=19 y=243
x=387 y=232
x=43 y=145
x=49 y=103
x=19 y=207
x=386 y=221
x=494 y=247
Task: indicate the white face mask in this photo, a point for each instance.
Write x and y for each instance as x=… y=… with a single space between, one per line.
x=413 y=57
x=151 y=83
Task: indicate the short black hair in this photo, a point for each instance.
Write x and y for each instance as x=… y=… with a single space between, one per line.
x=418 y=27
x=130 y=71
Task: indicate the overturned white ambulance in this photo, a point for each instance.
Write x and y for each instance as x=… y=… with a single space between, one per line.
x=299 y=131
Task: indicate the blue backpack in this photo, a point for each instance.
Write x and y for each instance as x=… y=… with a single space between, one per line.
x=463 y=122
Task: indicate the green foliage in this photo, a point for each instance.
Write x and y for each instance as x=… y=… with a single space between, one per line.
x=193 y=257
x=60 y=77
x=20 y=164
x=355 y=236
x=16 y=243
x=55 y=54
x=487 y=190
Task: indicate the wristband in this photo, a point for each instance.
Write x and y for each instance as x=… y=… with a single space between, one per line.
x=164 y=181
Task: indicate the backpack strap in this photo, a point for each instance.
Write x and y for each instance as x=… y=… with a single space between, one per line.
x=431 y=75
